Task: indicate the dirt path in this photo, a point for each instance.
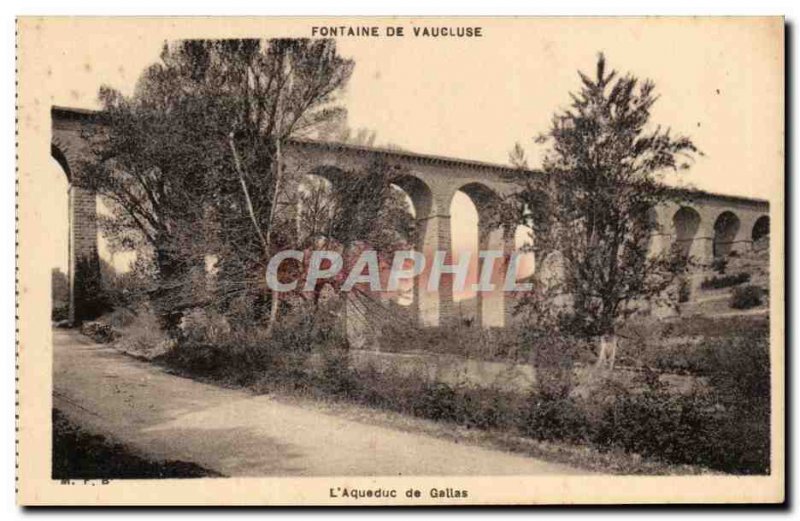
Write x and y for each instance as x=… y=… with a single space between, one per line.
x=236 y=433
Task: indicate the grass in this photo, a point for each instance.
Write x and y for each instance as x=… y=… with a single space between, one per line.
x=81 y=455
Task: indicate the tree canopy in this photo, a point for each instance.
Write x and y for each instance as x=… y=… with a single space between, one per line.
x=195 y=153
x=594 y=205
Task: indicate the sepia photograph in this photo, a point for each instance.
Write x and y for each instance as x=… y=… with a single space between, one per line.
x=400 y=260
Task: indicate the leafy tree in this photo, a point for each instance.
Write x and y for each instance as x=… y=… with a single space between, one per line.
x=196 y=152
x=593 y=207
x=355 y=210
x=517 y=157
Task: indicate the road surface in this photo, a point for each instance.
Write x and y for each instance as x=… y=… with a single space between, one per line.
x=237 y=433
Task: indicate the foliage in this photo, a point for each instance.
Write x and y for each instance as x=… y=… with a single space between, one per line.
x=246 y=355
x=594 y=203
x=723 y=425
x=353 y=211
x=59 y=312
x=550 y=417
x=720 y=264
x=100 y=332
x=698 y=346
x=684 y=290
x=59 y=286
x=166 y=160
x=91 y=298
x=746 y=297
x=138 y=332
x=517 y=157
x=725 y=281
x=660 y=424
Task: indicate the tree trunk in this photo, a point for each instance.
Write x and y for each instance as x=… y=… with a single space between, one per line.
x=168 y=295
x=607 y=352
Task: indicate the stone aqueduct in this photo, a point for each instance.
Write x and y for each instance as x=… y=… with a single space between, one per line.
x=711 y=225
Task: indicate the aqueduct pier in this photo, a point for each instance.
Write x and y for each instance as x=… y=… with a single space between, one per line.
x=707 y=226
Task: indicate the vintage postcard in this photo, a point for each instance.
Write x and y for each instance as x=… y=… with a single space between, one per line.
x=400 y=261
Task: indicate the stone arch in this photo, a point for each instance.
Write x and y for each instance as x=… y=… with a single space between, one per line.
x=84 y=263
x=491 y=235
x=760 y=229
x=57 y=153
x=686 y=223
x=483 y=197
x=422 y=208
x=419 y=192
x=726 y=228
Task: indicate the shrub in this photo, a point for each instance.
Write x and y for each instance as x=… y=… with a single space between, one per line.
x=438 y=401
x=139 y=332
x=209 y=346
x=741 y=379
x=98 y=331
x=684 y=291
x=59 y=312
x=719 y=265
x=716 y=327
x=724 y=425
x=90 y=297
x=554 y=358
x=551 y=417
x=740 y=366
x=336 y=377
x=725 y=281
x=659 y=424
x=746 y=297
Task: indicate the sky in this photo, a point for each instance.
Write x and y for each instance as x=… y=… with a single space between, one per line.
x=719 y=83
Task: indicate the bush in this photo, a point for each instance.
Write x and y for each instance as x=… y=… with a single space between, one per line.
x=336 y=377
x=720 y=264
x=716 y=426
x=554 y=358
x=725 y=281
x=684 y=291
x=98 y=331
x=138 y=332
x=59 y=312
x=746 y=297
x=690 y=345
x=91 y=299
x=551 y=417
x=302 y=342
x=716 y=327
x=659 y=424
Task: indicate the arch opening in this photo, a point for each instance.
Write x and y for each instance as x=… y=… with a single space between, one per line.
x=475 y=227
x=726 y=227
x=686 y=223
x=317 y=211
x=58 y=223
x=760 y=233
x=61 y=158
